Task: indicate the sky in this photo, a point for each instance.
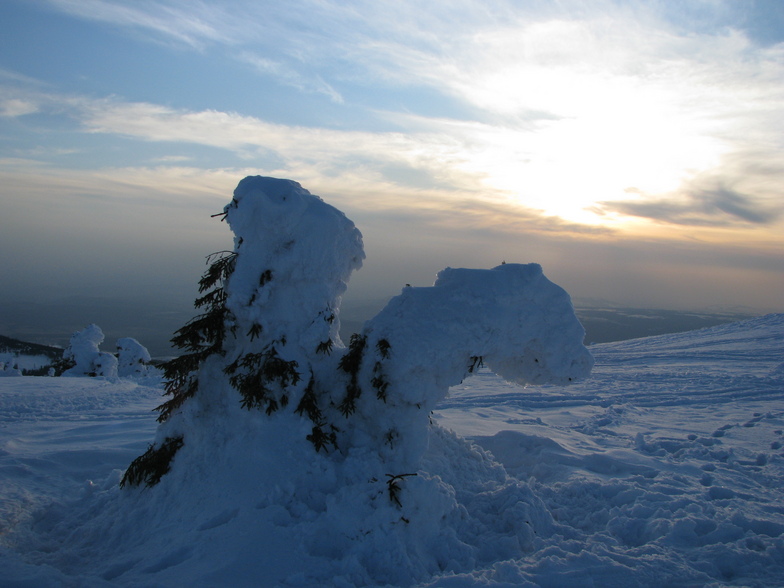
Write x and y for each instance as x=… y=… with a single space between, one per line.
x=633 y=148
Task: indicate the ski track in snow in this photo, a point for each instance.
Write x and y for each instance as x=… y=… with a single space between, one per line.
x=665 y=468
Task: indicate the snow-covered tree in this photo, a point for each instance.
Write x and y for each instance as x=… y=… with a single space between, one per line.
x=82 y=357
x=8 y=366
x=133 y=358
x=270 y=323
x=511 y=319
x=266 y=346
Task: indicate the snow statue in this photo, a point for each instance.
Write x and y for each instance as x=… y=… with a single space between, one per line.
x=133 y=358
x=268 y=406
x=83 y=358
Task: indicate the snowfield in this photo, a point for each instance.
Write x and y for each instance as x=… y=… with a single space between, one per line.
x=665 y=468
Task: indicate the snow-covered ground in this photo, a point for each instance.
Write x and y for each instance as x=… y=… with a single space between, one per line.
x=665 y=468
x=12 y=361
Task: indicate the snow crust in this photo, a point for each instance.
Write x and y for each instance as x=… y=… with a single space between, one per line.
x=665 y=468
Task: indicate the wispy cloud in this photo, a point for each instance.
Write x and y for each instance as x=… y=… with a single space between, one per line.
x=193 y=24
x=571 y=102
x=13 y=107
x=13 y=76
x=720 y=206
x=290 y=76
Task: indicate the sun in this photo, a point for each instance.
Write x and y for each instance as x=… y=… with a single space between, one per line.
x=573 y=137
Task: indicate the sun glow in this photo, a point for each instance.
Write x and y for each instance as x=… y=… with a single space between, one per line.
x=586 y=121
x=618 y=137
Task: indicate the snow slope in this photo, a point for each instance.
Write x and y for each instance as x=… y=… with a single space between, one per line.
x=666 y=468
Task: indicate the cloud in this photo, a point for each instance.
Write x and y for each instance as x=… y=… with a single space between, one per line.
x=719 y=207
x=9 y=75
x=439 y=163
x=290 y=77
x=737 y=206
x=331 y=151
x=16 y=101
x=14 y=107
x=194 y=24
x=564 y=104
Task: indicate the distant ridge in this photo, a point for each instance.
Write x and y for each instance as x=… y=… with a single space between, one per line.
x=17 y=347
x=604 y=325
x=752 y=332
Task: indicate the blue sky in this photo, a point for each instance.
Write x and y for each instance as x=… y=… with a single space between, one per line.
x=634 y=149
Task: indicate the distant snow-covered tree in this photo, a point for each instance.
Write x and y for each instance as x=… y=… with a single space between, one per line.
x=82 y=357
x=8 y=366
x=133 y=358
x=269 y=326
x=266 y=345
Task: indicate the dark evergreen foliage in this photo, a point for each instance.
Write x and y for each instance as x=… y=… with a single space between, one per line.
x=308 y=404
x=379 y=382
x=153 y=464
x=320 y=438
x=256 y=376
x=61 y=365
x=254 y=331
x=202 y=336
x=476 y=363
x=265 y=277
x=350 y=363
x=394 y=489
x=325 y=347
x=383 y=346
